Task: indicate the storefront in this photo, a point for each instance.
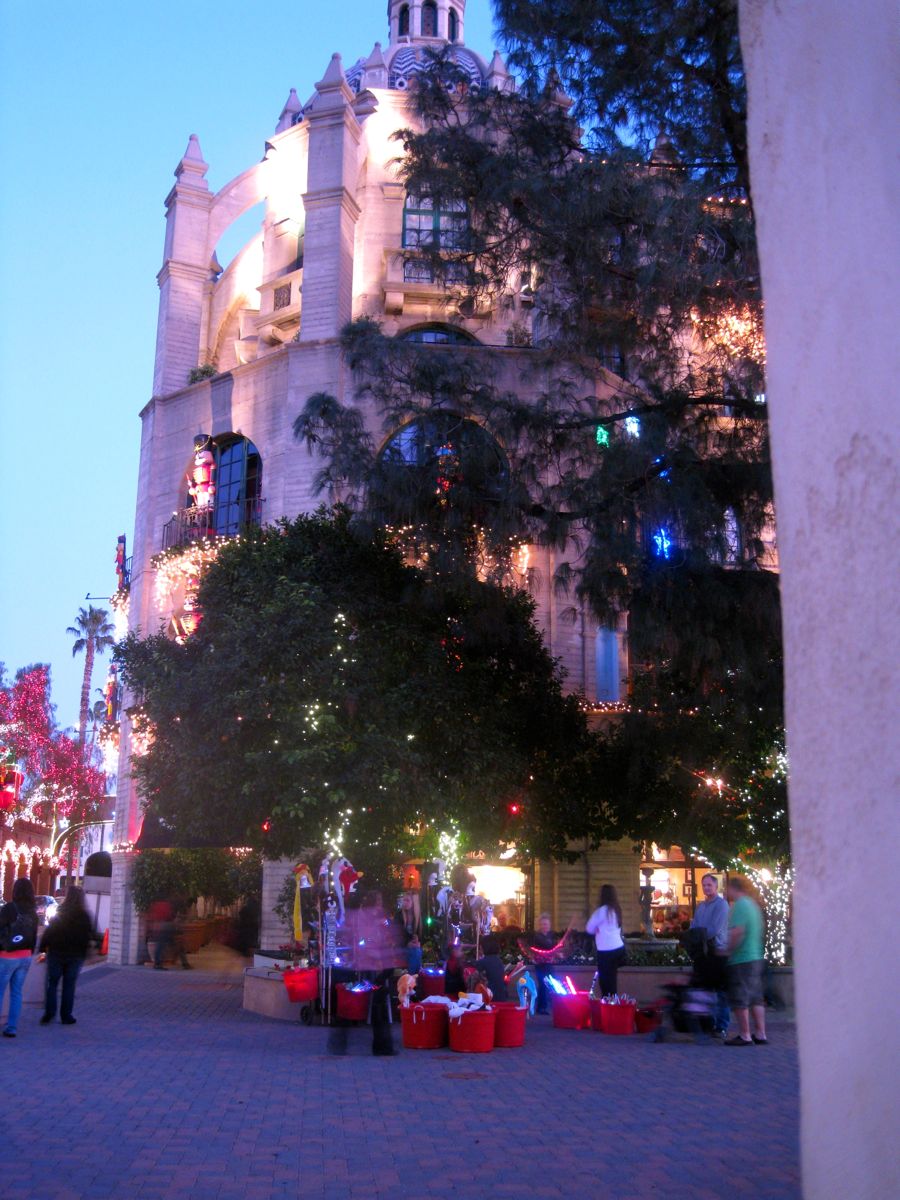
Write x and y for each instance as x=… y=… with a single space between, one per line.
x=670 y=879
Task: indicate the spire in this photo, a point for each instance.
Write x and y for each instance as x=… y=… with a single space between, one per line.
x=663 y=150
x=334 y=75
x=192 y=168
x=375 y=70
x=290 y=114
x=498 y=77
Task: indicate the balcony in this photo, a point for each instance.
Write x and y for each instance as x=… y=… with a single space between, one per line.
x=228 y=520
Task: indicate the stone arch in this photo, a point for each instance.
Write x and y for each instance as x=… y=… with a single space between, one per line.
x=437 y=333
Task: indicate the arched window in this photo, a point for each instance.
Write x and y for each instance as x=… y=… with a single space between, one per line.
x=452 y=25
x=238 y=485
x=429 y=19
x=224 y=493
x=403 y=26
x=447 y=455
x=438 y=335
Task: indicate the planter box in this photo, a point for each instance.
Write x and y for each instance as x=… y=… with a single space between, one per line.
x=265 y=994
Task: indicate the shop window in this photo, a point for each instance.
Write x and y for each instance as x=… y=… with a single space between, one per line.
x=429 y=19
x=607 y=659
x=452 y=25
x=403 y=27
x=438 y=335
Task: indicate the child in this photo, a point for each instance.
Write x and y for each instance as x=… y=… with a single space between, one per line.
x=413 y=955
x=454 y=980
x=491 y=966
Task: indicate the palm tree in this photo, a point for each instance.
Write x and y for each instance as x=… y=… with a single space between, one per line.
x=93 y=634
x=97 y=717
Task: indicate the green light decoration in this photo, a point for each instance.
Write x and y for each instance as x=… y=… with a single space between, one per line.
x=602 y=435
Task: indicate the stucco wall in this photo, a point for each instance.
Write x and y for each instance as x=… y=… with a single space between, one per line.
x=823 y=112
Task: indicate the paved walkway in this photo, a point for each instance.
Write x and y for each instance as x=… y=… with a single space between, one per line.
x=166 y=1088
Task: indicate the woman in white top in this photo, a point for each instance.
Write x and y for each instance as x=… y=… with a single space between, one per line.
x=605 y=923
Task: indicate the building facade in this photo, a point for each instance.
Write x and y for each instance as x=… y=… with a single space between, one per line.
x=240 y=348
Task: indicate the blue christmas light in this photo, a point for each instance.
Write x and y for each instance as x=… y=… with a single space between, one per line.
x=633 y=427
x=662 y=542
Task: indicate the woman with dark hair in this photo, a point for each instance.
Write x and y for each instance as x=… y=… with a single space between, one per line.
x=66 y=941
x=605 y=923
x=18 y=934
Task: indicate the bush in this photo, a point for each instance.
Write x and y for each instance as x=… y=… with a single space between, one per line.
x=220 y=875
x=207 y=371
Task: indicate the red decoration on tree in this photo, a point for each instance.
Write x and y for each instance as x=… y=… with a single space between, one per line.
x=53 y=760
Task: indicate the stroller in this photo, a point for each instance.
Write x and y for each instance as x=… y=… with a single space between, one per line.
x=691 y=1007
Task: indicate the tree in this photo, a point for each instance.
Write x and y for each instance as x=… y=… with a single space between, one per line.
x=93 y=633
x=58 y=774
x=635 y=434
x=334 y=696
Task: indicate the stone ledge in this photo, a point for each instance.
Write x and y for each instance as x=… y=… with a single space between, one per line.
x=266 y=995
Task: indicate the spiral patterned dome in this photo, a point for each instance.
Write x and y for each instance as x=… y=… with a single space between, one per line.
x=406 y=61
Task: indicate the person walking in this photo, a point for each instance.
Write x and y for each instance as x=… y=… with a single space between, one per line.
x=605 y=923
x=375 y=956
x=66 y=942
x=746 y=960
x=18 y=935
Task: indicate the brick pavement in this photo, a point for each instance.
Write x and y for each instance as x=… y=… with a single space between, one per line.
x=167 y=1090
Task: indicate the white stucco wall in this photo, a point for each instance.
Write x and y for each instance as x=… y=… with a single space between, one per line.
x=823 y=120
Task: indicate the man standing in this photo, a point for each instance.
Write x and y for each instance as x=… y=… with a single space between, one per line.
x=745 y=964
x=712 y=918
x=543 y=940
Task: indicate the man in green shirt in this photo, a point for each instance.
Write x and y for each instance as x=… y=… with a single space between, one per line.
x=745 y=964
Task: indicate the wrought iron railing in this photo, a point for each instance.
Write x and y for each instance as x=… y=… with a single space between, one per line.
x=193 y=524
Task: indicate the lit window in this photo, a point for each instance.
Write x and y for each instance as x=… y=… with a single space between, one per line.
x=607 y=663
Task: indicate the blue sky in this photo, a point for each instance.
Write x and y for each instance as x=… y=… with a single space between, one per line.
x=96 y=105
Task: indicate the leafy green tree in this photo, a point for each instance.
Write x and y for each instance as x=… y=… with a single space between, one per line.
x=334 y=695
x=634 y=430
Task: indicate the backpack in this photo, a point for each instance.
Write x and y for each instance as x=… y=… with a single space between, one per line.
x=20 y=933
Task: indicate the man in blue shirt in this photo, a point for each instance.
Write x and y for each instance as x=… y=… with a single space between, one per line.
x=712 y=917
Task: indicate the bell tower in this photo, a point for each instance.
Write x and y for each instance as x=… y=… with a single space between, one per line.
x=426 y=21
